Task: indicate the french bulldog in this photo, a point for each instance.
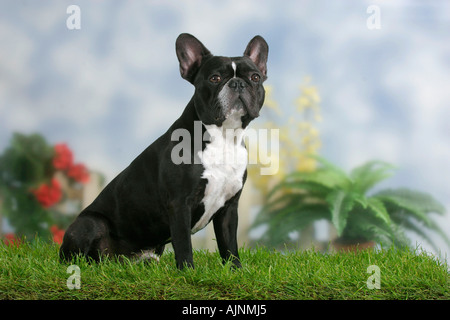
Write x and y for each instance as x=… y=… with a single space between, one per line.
x=157 y=200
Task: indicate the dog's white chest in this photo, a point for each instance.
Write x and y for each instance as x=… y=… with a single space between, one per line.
x=225 y=161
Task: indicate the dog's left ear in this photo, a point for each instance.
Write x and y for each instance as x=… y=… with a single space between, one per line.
x=190 y=53
x=258 y=51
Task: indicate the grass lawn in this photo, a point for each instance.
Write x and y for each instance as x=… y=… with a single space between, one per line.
x=32 y=271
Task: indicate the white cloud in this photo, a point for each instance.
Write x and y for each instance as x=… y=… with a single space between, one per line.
x=14 y=75
x=92 y=80
x=156 y=114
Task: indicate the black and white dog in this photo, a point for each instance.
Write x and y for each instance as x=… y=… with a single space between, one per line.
x=157 y=200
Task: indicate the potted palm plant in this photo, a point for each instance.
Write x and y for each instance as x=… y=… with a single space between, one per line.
x=358 y=215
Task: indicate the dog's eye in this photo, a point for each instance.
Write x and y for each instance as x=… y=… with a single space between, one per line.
x=215 y=79
x=255 y=77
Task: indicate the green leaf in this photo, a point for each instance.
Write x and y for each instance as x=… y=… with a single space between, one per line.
x=328 y=165
x=364 y=225
x=379 y=209
x=361 y=199
x=270 y=210
x=415 y=202
x=420 y=230
x=26 y=161
x=291 y=218
x=327 y=175
x=369 y=174
x=298 y=186
x=407 y=221
x=340 y=204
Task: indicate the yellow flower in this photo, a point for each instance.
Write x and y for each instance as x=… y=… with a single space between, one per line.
x=302 y=102
x=306 y=164
x=298 y=137
x=312 y=94
x=269 y=102
x=318 y=117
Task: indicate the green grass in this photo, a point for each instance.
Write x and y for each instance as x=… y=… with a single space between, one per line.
x=33 y=271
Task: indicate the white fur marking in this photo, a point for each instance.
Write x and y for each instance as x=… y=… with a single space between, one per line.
x=233 y=65
x=224 y=160
x=148 y=255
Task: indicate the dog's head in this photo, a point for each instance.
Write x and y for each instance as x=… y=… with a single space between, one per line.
x=227 y=89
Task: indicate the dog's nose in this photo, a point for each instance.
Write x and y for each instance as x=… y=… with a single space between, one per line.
x=237 y=84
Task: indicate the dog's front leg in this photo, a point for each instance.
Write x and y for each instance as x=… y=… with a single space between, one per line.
x=225 y=228
x=180 y=231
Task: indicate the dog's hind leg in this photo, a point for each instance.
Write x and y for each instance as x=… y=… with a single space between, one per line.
x=88 y=235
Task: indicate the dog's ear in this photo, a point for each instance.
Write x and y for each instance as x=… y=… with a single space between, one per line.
x=190 y=52
x=258 y=51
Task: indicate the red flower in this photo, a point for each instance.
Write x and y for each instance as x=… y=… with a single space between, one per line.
x=58 y=234
x=48 y=195
x=63 y=158
x=11 y=240
x=79 y=172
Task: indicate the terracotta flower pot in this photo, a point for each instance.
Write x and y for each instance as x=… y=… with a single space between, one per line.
x=344 y=246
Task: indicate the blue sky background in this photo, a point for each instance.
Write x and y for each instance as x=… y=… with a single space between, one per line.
x=111 y=88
